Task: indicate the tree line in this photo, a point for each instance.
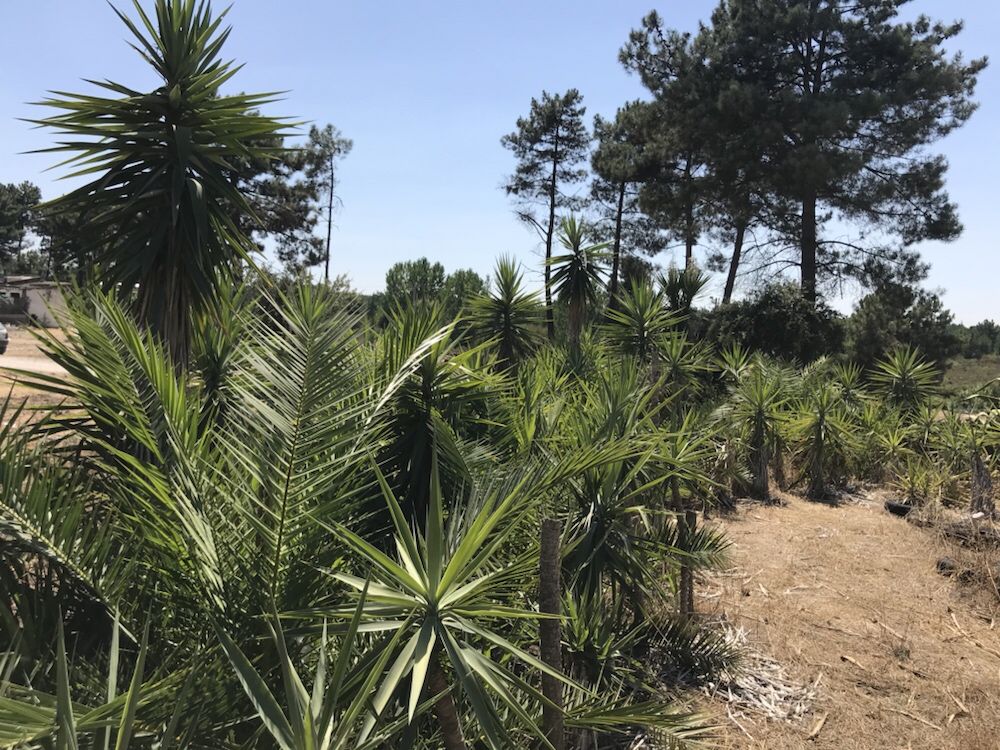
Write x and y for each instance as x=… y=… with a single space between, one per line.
x=782 y=135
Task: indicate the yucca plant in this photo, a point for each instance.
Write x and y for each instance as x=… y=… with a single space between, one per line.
x=824 y=439
x=681 y=366
x=681 y=287
x=163 y=196
x=452 y=591
x=685 y=452
x=639 y=321
x=905 y=379
x=849 y=378
x=915 y=480
x=756 y=411
x=335 y=714
x=893 y=451
x=508 y=315
x=530 y=409
x=577 y=275
x=448 y=386
x=733 y=363
x=612 y=537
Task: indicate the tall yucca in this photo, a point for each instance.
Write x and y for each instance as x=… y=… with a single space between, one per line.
x=162 y=194
x=509 y=315
x=577 y=277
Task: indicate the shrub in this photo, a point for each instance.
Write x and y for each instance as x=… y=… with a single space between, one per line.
x=778 y=322
x=898 y=315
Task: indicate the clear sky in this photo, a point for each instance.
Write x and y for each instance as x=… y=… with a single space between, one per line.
x=427 y=89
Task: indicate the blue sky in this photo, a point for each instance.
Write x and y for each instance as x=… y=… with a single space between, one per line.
x=426 y=90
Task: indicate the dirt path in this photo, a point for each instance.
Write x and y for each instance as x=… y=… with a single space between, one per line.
x=851 y=595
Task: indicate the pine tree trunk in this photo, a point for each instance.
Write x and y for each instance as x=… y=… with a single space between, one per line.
x=329 y=226
x=734 y=263
x=808 y=246
x=688 y=217
x=616 y=251
x=444 y=708
x=550 y=321
x=550 y=647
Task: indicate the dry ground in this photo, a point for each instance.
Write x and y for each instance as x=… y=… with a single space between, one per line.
x=850 y=596
x=23 y=353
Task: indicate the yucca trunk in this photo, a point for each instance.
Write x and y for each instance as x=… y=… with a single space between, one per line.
x=817 y=477
x=982 y=487
x=687 y=522
x=444 y=708
x=550 y=603
x=165 y=307
x=759 y=488
x=575 y=321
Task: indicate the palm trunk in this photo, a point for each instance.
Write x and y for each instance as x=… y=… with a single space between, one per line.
x=550 y=603
x=444 y=708
x=616 y=251
x=734 y=262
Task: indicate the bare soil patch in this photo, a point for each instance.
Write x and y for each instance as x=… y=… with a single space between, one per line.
x=848 y=600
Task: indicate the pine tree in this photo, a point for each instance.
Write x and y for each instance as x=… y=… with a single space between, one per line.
x=672 y=127
x=846 y=99
x=549 y=145
x=620 y=163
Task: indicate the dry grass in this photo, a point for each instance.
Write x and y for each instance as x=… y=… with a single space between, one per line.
x=967 y=374
x=850 y=596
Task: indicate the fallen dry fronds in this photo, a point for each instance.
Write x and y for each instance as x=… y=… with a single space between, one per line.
x=759 y=686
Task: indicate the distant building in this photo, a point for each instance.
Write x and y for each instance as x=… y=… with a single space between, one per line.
x=26 y=299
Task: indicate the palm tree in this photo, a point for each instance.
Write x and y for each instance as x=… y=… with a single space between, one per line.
x=508 y=315
x=578 y=274
x=163 y=193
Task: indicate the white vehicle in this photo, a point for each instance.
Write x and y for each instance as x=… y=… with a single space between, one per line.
x=4 y=338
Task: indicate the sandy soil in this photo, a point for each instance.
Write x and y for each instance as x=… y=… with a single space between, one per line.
x=850 y=596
